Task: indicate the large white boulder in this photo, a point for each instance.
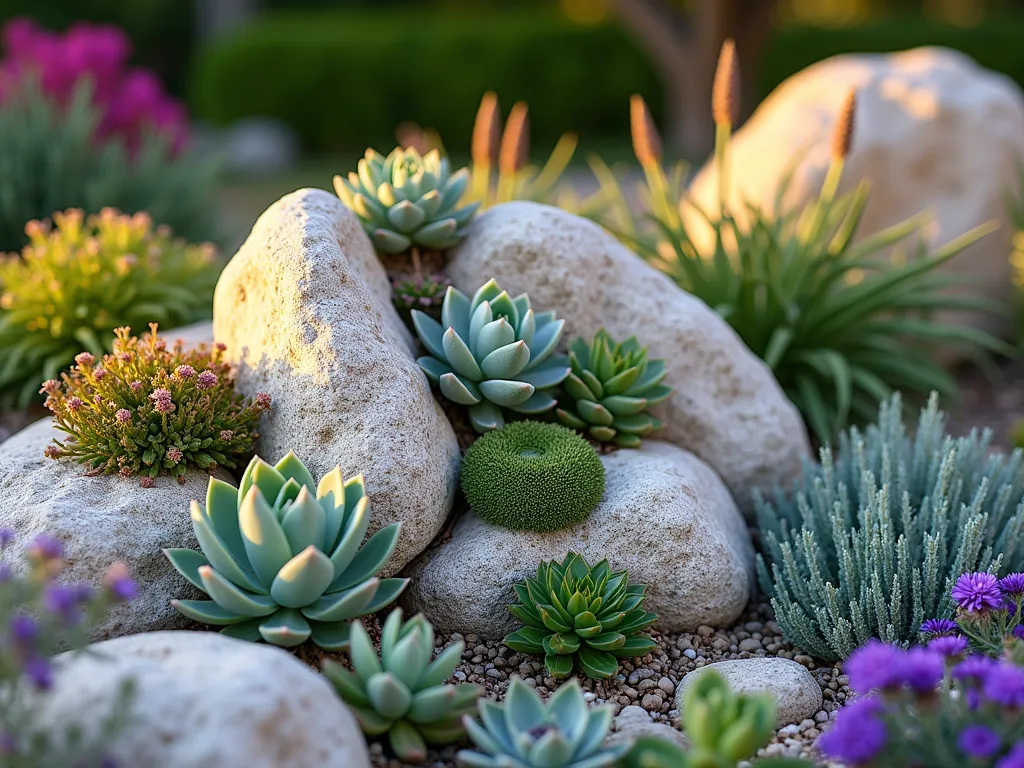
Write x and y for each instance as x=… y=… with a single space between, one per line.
x=101 y=520
x=934 y=130
x=796 y=693
x=665 y=517
x=203 y=699
x=305 y=310
x=727 y=407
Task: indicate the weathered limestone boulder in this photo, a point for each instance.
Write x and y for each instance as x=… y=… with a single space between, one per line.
x=305 y=310
x=933 y=131
x=797 y=694
x=102 y=520
x=665 y=517
x=727 y=407
x=203 y=699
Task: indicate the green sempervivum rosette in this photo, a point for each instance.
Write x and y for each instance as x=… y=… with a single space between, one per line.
x=406 y=200
x=492 y=352
x=610 y=389
x=578 y=615
x=402 y=693
x=281 y=557
x=524 y=732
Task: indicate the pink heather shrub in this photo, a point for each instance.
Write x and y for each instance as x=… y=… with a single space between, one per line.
x=150 y=413
x=131 y=100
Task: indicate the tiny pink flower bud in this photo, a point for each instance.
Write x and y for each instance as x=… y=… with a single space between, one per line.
x=226 y=434
x=174 y=454
x=160 y=393
x=99 y=373
x=206 y=380
x=125 y=472
x=97 y=399
x=74 y=403
x=84 y=359
x=51 y=452
x=184 y=371
x=123 y=415
x=147 y=482
x=49 y=387
x=165 y=406
x=135 y=386
x=263 y=401
x=220 y=346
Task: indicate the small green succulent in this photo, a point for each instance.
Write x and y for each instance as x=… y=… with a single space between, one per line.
x=492 y=352
x=283 y=564
x=424 y=293
x=532 y=476
x=524 y=732
x=402 y=693
x=407 y=200
x=578 y=615
x=609 y=390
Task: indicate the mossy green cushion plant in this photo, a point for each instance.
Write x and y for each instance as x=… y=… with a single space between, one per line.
x=492 y=352
x=401 y=692
x=406 y=200
x=148 y=410
x=532 y=476
x=610 y=389
x=80 y=278
x=578 y=615
x=281 y=557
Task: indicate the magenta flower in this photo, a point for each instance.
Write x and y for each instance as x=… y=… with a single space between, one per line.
x=922 y=669
x=978 y=741
x=184 y=371
x=858 y=734
x=1012 y=585
x=975 y=668
x=206 y=380
x=1004 y=685
x=875 y=665
x=74 y=403
x=938 y=627
x=977 y=592
x=948 y=645
x=1014 y=758
x=84 y=359
x=123 y=415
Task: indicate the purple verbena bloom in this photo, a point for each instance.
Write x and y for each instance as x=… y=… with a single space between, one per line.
x=121 y=587
x=24 y=630
x=978 y=741
x=1004 y=685
x=875 y=665
x=39 y=671
x=1012 y=585
x=858 y=734
x=1014 y=758
x=922 y=669
x=62 y=601
x=939 y=627
x=975 y=668
x=6 y=536
x=977 y=592
x=45 y=547
x=948 y=645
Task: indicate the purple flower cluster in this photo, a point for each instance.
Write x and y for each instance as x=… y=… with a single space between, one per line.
x=976 y=592
x=132 y=100
x=876 y=666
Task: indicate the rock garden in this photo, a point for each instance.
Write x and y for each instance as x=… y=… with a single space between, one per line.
x=434 y=472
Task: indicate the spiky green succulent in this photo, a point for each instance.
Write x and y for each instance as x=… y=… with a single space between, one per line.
x=609 y=390
x=281 y=557
x=402 y=693
x=405 y=200
x=492 y=352
x=581 y=616
x=524 y=732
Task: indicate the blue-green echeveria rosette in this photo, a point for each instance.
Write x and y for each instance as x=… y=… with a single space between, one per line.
x=281 y=558
x=493 y=352
x=406 y=200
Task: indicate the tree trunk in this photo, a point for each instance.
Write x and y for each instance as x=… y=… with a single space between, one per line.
x=684 y=49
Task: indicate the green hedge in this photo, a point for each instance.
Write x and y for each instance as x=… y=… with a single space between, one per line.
x=343 y=80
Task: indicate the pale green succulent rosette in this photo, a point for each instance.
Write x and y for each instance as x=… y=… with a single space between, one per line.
x=405 y=200
x=281 y=558
x=524 y=732
x=402 y=693
x=492 y=353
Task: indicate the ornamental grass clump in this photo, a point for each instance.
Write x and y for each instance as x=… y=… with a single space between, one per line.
x=283 y=558
x=523 y=731
x=841 y=324
x=81 y=277
x=581 y=616
x=610 y=389
x=401 y=692
x=148 y=410
x=870 y=543
x=928 y=707
x=39 y=618
x=531 y=476
x=492 y=353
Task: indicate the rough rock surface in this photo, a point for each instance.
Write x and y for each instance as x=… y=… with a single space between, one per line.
x=305 y=310
x=665 y=517
x=203 y=699
x=101 y=520
x=727 y=407
x=797 y=693
x=933 y=131
x=633 y=722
